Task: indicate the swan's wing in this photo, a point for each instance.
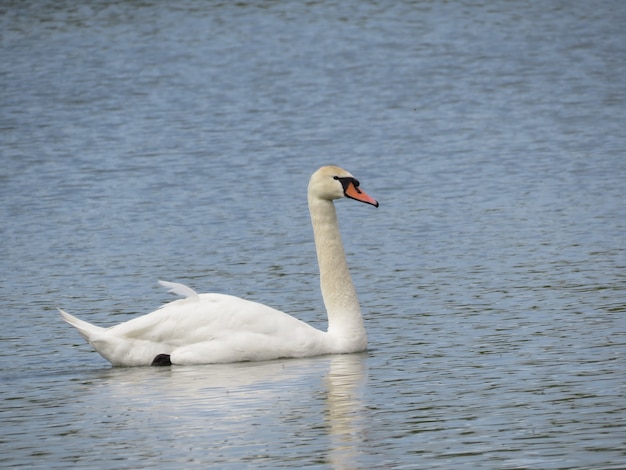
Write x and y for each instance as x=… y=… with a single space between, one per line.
x=209 y=328
x=205 y=318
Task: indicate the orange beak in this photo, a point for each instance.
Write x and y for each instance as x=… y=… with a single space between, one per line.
x=353 y=192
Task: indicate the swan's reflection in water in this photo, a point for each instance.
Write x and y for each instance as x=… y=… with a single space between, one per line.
x=296 y=410
x=345 y=381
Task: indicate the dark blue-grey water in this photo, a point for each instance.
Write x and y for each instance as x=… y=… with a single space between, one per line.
x=174 y=140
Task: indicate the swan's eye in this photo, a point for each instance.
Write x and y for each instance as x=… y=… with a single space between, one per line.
x=335 y=177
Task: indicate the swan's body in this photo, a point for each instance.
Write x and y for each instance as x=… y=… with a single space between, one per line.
x=217 y=328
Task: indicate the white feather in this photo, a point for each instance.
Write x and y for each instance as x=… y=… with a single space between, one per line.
x=180 y=289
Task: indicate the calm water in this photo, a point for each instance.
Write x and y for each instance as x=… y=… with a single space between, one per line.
x=174 y=140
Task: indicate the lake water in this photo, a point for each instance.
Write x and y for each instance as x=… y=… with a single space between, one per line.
x=174 y=140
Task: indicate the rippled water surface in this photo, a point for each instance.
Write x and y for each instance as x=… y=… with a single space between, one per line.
x=174 y=140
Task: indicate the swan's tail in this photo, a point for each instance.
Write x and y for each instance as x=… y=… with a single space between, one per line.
x=86 y=330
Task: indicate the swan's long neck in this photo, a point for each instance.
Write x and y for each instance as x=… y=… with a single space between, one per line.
x=345 y=322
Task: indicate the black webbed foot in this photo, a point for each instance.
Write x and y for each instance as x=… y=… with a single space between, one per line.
x=161 y=360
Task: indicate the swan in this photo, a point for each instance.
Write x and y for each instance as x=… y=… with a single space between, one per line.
x=219 y=328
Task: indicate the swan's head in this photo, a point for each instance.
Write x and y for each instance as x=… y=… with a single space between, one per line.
x=332 y=182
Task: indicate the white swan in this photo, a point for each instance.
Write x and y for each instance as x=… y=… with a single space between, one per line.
x=217 y=328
